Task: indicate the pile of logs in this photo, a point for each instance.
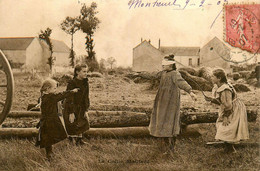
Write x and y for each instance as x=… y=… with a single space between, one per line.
x=116 y=123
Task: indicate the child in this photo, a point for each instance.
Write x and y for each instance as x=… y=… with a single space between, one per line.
x=51 y=129
x=165 y=118
x=76 y=106
x=232 y=123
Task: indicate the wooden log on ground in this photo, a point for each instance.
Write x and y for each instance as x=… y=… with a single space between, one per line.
x=101 y=119
x=211 y=117
x=106 y=119
x=92 y=132
x=18 y=132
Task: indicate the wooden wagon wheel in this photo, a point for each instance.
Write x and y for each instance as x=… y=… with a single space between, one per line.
x=6 y=87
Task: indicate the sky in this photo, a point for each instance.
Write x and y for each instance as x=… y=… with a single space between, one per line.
x=123 y=23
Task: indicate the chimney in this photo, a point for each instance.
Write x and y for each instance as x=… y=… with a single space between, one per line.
x=141 y=39
x=159 y=44
x=149 y=41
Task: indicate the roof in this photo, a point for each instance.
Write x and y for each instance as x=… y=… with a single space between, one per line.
x=216 y=42
x=59 y=46
x=145 y=42
x=15 y=43
x=180 y=51
x=21 y=43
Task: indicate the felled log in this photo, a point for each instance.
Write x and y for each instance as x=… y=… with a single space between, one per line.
x=106 y=119
x=197 y=83
x=100 y=119
x=92 y=132
x=18 y=132
x=211 y=117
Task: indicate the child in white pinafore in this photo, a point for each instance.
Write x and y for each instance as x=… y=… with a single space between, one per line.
x=231 y=124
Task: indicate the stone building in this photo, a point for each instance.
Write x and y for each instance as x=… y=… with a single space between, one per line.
x=32 y=53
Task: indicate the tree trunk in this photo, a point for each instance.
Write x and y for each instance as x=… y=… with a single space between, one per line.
x=106 y=119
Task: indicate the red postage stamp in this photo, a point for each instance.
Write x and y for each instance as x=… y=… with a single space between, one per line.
x=242 y=26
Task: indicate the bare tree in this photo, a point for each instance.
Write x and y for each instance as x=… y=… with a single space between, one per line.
x=45 y=36
x=70 y=26
x=111 y=61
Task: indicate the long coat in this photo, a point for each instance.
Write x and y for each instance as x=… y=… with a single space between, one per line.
x=51 y=129
x=165 y=117
x=78 y=104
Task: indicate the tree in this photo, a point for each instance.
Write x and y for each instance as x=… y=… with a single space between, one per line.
x=102 y=65
x=45 y=36
x=88 y=24
x=111 y=61
x=70 y=26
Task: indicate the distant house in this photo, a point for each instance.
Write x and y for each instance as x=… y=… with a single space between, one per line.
x=31 y=52
x=186 y=56
x=148 y=58
x=215 y=54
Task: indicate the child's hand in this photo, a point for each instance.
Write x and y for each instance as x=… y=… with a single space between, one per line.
x=75 y=90
x=225 y=121
x=71 y=117
x=86 y=115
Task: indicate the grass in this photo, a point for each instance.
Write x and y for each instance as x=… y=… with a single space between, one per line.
x=191 y=153
x=128 y=153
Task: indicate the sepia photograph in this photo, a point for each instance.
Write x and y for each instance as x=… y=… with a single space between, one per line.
x=129 y=85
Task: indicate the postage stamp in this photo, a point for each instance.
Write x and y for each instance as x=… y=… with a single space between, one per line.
x=242 y=26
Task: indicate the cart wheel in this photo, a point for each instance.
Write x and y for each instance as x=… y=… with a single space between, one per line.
x=6 y=87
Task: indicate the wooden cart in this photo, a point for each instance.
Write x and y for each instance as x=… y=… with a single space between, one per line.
x=6 y=87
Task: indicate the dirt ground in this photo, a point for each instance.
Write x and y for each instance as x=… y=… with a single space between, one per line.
x=115 y=91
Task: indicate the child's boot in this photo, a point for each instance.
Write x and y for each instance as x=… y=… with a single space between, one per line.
x=49 y=152
x=172 y=143
x=80 y=141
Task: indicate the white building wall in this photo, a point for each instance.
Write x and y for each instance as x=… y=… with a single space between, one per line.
x=61 y=58
x=184 y=60
x=16 y=56
x=34 y=55
x=147 y=58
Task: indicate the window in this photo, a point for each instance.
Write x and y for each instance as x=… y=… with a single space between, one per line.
x=190 y=61
x=198 y=61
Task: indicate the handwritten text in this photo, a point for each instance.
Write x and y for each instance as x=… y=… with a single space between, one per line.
x=176 y=4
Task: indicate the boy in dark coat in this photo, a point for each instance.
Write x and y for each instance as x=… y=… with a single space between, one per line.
x=51 y=129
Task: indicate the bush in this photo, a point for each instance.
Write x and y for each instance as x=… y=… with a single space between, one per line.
x=236 y=76
x=93 y=65
x=245 y=74
x=244 y=67
x=197 y=83
x=61 y=78
x=191 y=71
x=205 y=72
x=111 y=72
x=126 y=79
x=95 y=74
x=241 y=88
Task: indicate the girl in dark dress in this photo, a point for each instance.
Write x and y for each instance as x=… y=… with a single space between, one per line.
x=51 y=129
x=76 y=106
